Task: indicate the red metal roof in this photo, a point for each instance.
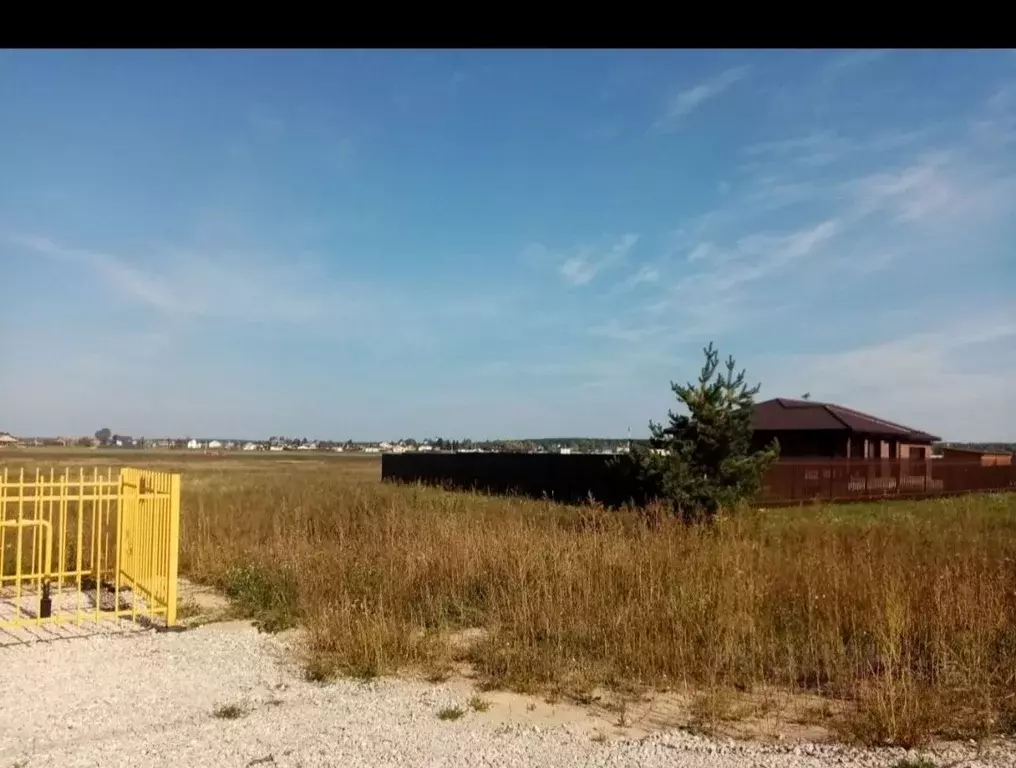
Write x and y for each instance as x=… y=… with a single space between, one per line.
x=783 y=414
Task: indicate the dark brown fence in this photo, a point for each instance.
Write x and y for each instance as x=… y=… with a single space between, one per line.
x=847 y=479
x=573 y=478
x=569 y=478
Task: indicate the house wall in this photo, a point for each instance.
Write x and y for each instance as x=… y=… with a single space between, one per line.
x=805 y=443
x=836 y=444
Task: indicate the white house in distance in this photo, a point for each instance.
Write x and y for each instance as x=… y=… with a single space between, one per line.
x=214 y=444
x=7 y=441
x=251 y=447
x=195 y=444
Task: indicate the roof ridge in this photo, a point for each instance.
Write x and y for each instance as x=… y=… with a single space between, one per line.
x=830 y=408
x=876 y=419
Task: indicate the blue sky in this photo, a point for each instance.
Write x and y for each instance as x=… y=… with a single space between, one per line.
x=373 y=244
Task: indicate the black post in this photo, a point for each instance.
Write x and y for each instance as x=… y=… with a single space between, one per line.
x=46 y=603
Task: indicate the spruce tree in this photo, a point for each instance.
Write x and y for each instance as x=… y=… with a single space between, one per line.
x=702 y=460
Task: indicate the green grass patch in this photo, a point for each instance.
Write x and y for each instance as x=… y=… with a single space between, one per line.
x=269 y=597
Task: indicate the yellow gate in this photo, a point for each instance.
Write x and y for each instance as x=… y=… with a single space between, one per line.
x=78 y=547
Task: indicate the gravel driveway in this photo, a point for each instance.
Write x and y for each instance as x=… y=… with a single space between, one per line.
x=149 y=699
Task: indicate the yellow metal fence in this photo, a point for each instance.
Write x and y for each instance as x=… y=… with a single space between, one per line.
x=87 y=546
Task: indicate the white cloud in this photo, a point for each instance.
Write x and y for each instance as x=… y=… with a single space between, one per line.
x=912 y=194
x=702 y=251
x=647 y=273
x=954 y=380
x=187 y=285
x=755 y=256
x=814 y=149
x=721 y=295
x=584 y=264
x=941 y=190
x=683 y=103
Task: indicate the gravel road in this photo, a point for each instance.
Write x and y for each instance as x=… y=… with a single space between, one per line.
x=150 y=698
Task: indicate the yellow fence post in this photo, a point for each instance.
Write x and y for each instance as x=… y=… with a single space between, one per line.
x=174 y=547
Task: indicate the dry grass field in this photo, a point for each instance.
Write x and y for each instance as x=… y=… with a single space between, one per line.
x=899 y=617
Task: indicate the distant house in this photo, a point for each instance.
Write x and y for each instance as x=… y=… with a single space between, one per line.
x=8 y=441
x=276 y=448
x=811 y=430
x=338 y=448
x=251 y=447
x=372 y=449
x=986 y=458
x=425 y=447
x=195 y=444
x=214 y=444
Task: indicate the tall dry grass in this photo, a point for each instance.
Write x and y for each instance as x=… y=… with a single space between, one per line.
x=905 y=610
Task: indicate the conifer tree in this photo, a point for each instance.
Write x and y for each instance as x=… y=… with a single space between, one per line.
x=702 y=461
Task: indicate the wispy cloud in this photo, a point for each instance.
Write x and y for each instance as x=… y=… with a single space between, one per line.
x=912 y=194
x=918 y=377
x=582 y=265
x=190 y=286
x=942 y=189
x=720 y=292
x=646 y=274
x=818 y=150
x=996 y=126
x=813 y=149
x=752 y=258
x=850 y=61
x=681 y=104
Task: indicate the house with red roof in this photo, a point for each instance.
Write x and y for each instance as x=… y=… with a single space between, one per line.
x=807 y=429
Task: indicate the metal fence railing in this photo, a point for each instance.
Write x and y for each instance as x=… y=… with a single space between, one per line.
x=846 y=479
x=78 y=547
